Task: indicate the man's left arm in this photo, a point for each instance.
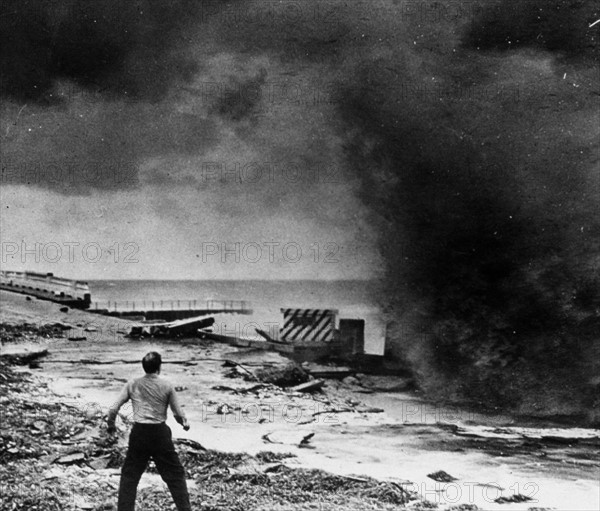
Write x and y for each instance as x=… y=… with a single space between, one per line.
x=178 y=412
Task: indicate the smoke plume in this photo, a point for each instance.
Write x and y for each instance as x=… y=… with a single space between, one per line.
x=486 y=178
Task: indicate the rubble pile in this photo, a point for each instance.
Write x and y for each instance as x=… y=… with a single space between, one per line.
x=46 y=448
x=8 y=376
x=243 y=482
x=10 y=333
x=286 y=376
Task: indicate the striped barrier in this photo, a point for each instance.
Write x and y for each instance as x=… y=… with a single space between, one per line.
x=308 y=325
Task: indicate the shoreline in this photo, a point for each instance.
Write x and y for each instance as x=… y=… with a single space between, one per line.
x=393 y=450
x=77 y=466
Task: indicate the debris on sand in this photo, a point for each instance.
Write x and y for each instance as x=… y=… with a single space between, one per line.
x=386 y=383
x=311 y=386
x=69 y=459
x=273 y=457
x=254 y=389
x=24 y=358
x=237 y=370
x=10 y=333
x=334 y=372
x=177 y=328
x=284 y=376
x=351 y=381
x=517 y=497
x=299 y=438
x=54 y=457
x=442 y=477
x=390 y=492
x=305 y=440
x=289 y=375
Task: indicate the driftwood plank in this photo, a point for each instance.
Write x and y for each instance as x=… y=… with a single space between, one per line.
x=309 y=386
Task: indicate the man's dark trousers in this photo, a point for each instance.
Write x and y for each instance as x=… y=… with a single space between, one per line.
x=152 y=441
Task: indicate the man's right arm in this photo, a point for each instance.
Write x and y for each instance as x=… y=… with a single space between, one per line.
x=114 y=409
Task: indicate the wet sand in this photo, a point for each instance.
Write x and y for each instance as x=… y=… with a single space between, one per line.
x=410 y=440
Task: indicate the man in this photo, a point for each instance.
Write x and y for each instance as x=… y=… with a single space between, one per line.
x=150 y=437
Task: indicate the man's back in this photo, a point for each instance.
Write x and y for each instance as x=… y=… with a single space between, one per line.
x=150 y=396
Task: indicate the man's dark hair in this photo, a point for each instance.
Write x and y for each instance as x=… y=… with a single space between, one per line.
x=152 y=362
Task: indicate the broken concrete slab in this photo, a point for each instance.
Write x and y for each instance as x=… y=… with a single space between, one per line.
x=69 y=459
x=100 y=463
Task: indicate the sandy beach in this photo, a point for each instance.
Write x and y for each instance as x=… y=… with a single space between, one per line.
x=354 y=431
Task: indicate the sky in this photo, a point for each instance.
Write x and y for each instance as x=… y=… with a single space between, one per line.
x=203 y=161
x=242 y=139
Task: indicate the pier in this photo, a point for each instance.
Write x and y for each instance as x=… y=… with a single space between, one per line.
x=45 y=286
x=168 y=310
x=76 y=294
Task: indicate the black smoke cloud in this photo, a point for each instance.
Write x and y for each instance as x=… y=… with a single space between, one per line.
x=559 y=26
x=90 y=88
x=123 y=49
x=488 y=183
